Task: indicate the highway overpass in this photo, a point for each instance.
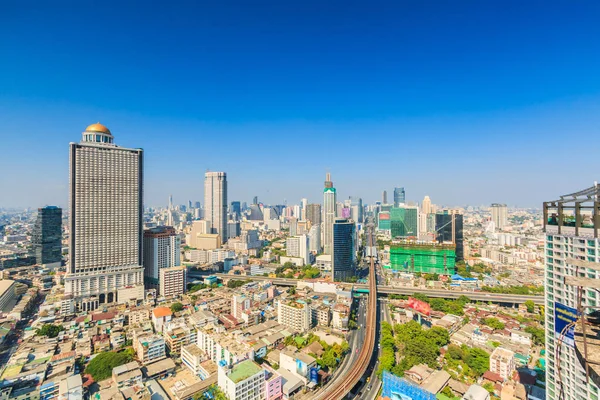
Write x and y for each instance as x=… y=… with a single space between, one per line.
x=385 y=290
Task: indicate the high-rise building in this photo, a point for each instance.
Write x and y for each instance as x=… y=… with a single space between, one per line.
x=329 y=213
x=384 y=197
x=344 y=249
x=106 y=208
x=404 y=221
x=236 y=209
x=298 y=246
x=303 y=204
x=197 y=204
x=215 y=203
x=426 y=206
x=314 y=239
x=233 y=229
x=161 y=250
x=449 y=229
x=499 y=215
x=170 y=202
x=572 y=251
x=356 y=209
x=47 y=236
x=399 y=196
x=313 y=214
x=172 y=281
x=255 y=200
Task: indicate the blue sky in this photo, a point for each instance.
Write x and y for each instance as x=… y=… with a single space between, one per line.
x=469 y=102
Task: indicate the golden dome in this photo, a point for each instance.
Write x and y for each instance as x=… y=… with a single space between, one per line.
x=97 y=127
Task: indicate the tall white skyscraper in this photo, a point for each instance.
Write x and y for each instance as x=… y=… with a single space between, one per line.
x=426 y=206
x=215 y=203
x=329 y=214
x=572 y=264
x=499 y=215
x=106 y=205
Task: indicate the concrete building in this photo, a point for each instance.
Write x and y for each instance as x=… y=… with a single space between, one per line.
x=8 y=294
x=177 y=333
x=344 y=249
x=161 y=250
x=294 y=315
x=192 y=357
x=47 y=237
x=329 y=214
x=572 y=249
x=298 y=246
x=150 y=348
x=502 y=362
x=243 y=381
x=172 y=281
x=239 y=304
x=399 y=196
x=499 y=215
x=313 y=214
x=215 y=203
x=127 y=375
x=105 y=221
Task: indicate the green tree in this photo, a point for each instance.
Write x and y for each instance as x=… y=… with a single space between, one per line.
x=478 y=360
x=49 y=330
x=455 y=352
x=176 y=307
x=530 y=306
x=489 y=386
x=493 y=323
x=537 y=335
x=102 y=365
x=438 y=335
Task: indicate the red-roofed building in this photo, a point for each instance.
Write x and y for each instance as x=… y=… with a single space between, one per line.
x=492 y=377
x=59 y=358
x=103 y=317
x=160 y=316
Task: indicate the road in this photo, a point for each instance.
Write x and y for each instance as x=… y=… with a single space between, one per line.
x=384 y=290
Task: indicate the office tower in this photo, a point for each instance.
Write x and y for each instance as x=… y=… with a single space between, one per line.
x=572 y=249
x=106 y=226
x=499 y=215
x=313 y=214
x=404 y=221
x=47 y=237
x=197 y=204
x=215 y=203
x=344 y=249
x=314 y=239
x=161 y=250
x=298 y=246
x=170 y=202
x=256 y=213
x=293 y=226
x=303 y=204
x=189 y=207
x=356 y=209
x=233 y=229
x=172 y=281
x=329 y=213
x=399 y=196
x=449 y=229
x=426 y=206
x=255 y=200
x=384 y=197
x=236 y=209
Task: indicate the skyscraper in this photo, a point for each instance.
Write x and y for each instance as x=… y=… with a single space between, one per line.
x=161 y=250
x=404 y=221
x=170 y=202
x=106 y=206
x=572 y=258
x=47 y=236
x=384 y=197
x=399 y=196
x=255 y=200
x=343 y=250
x=449 y=229
x=499 y=215
x=426 y=206
x=236 y=209
x=356 y=209
x=313 y=214
x=215 y=203
x=329 y=213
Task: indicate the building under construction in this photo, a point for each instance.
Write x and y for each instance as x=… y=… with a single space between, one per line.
x=430 y=258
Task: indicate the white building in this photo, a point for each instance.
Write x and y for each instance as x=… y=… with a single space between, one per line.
x=297 y=246
x=571 y=249
x=502 y=362
x=106 y=207
x=499 y=215
x=150 y=348
x=161 y=250
x=329 y=214
x=294 y=315
x=239 y=304
x=172 y=281
x=243 y=381
x=215 y=203
x=222 y=347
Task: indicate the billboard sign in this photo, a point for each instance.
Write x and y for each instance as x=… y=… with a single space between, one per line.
x=314 y=375
x=563 y=316
x=419 y=306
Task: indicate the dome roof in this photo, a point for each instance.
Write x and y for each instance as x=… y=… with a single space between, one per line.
x=98 y=127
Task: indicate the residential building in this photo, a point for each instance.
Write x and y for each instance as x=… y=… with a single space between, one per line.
x=127 y=375
x=499 y=215
x=71 y=388
x=47 y=237
x=329 y=214
x=399 y=196
x=294 y=315
x=8 y=294
x=314 y=239
x=298 y=246
x=192 y=356
x=221 y=347
x=161 y=250
x=215 y=203
x=105 y=223
x=572 y=249
x=161 y=316
x=502 y=362
x=239 y=304
x=178 y=333
x=297 y=363
x=243 y=381
x=313 y=214
x=172 y=281
x=344 y=249
x=150 y=348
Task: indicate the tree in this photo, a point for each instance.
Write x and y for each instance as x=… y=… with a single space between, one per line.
x=176 y=307
x=102 y=365
x=537 y=335
x=530 y=306
x=493 y=323
x=292 y=290
x=233 y=283
x=438 y=335
x=49 y=330
x=489 y=386
x=455 y=352
x=478 y=360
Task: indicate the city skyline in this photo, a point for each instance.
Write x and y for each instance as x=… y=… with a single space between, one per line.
x=481 y=110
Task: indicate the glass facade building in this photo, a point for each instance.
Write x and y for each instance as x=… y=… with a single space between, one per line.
x=404 y=221
x=344 y=246
x=47 y=236
x=399 y=196
x=449 y=229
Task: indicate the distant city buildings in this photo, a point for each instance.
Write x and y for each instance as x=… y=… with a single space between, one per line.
x=499 y=215
x=215 y=203
x=313 y=214
x=404 y=221
x=329 y=214
x=47 y=237
x=399 y=196
x=106 y=207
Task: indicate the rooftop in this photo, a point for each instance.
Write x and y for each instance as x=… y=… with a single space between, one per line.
x=244 y=370
x=160 y=312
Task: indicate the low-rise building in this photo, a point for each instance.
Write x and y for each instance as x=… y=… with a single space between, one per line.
x=294 y=315
x=127 y=375
x=150 y=348
x=243 y=381
x=502 y=362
